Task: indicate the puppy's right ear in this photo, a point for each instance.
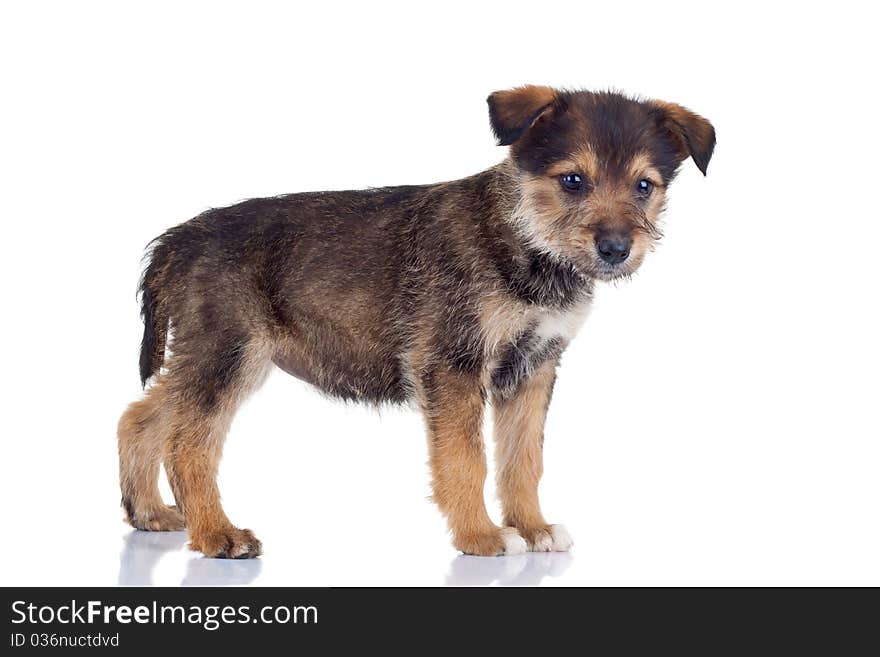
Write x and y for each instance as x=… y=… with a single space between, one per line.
x=514 y=111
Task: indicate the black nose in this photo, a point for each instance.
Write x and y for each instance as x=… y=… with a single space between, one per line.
x=613 y=249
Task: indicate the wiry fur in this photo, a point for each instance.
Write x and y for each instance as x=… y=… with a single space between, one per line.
x=450 y=294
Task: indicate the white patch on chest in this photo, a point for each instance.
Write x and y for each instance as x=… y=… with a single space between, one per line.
x=520 y=337
x=562 y=324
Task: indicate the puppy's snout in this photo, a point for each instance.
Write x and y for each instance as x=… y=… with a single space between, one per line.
x=613 y=248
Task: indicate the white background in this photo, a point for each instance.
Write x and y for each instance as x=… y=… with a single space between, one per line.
x=715 y=422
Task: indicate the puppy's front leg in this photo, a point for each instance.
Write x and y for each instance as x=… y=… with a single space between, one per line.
x=453 y=404
x=519 y=445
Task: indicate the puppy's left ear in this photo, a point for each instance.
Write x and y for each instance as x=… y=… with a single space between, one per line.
x=694 y=134
x=514 y=111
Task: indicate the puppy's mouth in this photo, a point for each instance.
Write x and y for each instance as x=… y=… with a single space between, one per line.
x=603 y=270
x=613 y=272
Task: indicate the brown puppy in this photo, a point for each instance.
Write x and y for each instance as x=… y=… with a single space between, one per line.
x=450 y=295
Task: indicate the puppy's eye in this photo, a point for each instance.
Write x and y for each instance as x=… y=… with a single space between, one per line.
x=572 y=182
x=645 y=187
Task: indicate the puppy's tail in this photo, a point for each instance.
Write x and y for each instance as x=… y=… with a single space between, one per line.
x=154 y=315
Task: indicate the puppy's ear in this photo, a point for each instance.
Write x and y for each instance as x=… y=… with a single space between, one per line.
x=514 y=111
x=694 y=134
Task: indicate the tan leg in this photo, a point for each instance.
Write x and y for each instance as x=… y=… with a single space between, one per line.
x=191 y=459
x=142 y=432
x=198 y=427
x=453 y=407
x=519 y=444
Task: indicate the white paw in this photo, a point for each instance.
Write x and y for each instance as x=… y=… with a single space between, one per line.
x=553 y=539
x=543 y=542
x=513 y=542
x=561 y=538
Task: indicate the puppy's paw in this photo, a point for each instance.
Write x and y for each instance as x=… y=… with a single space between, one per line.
x=550 y=538
x=496 y=543
x=513 y=542
x=164 y=519
x=227 y=543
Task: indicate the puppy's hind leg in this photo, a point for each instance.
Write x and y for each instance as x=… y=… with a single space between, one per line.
x=206 y=389
x=142 y=433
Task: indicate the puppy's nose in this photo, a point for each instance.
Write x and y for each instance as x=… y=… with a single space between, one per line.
x=613 y=249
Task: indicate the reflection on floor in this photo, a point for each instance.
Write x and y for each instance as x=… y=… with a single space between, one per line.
x=221 y=572
x=517 y=570
x=141 y=551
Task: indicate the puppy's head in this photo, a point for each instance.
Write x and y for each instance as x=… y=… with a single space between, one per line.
x=593 y=169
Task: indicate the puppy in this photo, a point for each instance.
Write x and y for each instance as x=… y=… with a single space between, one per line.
x=450 y=295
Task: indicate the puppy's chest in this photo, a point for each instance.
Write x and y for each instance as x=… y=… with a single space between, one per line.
x=536 y=335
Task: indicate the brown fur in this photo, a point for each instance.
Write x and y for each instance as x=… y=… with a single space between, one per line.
x=449 y=295
x=519 y=443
